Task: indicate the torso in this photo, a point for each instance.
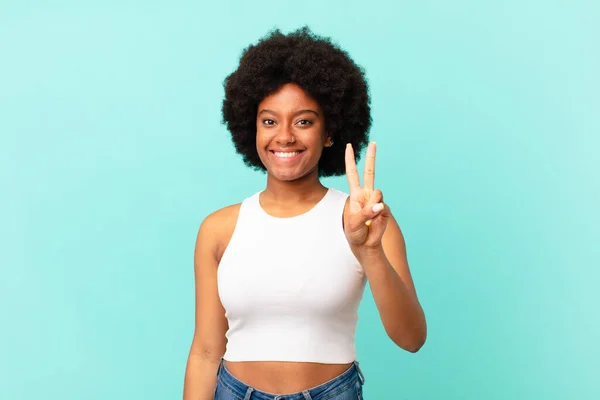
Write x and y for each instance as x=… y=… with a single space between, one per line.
x=273 y=376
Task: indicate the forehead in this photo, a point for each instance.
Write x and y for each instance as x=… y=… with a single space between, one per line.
x=289 y=97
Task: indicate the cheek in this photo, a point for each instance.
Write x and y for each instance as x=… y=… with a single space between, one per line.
x=318 y=144
x=261 y=140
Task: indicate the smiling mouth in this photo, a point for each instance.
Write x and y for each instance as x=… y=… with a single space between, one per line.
x=286 y=154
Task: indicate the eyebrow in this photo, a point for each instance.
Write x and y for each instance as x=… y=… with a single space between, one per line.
x=296 y=113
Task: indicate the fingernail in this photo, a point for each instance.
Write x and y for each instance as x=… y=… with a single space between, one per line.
x=378 y=207
x=368 y=223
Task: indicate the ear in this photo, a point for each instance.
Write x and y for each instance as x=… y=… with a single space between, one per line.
x=328 y=142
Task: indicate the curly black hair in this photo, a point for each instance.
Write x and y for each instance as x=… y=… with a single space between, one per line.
x=319 y=67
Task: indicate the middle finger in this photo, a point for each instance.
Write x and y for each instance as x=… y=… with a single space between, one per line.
x=369 y=176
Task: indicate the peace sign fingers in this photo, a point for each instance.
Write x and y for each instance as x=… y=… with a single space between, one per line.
x=352 y=171
x=366 y=217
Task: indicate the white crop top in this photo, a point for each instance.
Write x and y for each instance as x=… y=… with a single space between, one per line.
x=291 y=287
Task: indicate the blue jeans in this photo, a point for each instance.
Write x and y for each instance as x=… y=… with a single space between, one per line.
x=347 y=386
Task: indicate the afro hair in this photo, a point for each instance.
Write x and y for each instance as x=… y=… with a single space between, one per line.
x=319 y=67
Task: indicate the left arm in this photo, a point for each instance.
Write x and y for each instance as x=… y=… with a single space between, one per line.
x=387 y=270
x=377 y=242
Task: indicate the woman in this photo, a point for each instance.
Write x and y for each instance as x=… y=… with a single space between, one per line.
x=279 y=277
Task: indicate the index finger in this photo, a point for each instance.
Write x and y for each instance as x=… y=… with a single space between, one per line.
x=351 y=171
x=369 y=179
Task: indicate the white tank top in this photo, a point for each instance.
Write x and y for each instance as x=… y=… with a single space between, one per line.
x=291 y=287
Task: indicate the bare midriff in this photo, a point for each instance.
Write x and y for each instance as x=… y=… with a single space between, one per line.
x=284 y=377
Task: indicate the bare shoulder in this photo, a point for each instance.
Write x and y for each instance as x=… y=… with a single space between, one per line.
x=217 y=229
x=222 y=217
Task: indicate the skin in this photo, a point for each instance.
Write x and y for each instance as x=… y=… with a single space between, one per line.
x=291 y=120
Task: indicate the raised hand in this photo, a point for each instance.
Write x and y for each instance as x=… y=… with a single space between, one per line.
x=367 y=216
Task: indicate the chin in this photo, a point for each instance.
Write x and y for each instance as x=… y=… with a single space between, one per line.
x=289 y=176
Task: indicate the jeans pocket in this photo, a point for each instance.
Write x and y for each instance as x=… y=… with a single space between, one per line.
x=223 y=393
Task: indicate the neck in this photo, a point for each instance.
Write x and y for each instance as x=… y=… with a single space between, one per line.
x=299 y=189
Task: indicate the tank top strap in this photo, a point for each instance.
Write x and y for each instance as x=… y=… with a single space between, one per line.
x=251 y=204
x=333 y=204
x=338 y=198
x=250 y=210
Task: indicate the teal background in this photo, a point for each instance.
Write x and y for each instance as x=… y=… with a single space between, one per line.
x=486 y=116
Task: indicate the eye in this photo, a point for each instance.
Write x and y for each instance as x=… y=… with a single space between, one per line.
x=268 y=121
x=305 y=122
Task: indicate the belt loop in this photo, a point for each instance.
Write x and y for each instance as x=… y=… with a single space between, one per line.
x=306 y=395
x=249 y=393
x=219 y=366
x=361 y=376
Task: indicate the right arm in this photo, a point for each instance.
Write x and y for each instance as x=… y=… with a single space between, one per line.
x=208 y=344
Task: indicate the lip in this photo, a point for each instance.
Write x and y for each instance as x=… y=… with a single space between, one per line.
x=286 y=159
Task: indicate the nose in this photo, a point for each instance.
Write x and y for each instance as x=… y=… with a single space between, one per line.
x=285 y=136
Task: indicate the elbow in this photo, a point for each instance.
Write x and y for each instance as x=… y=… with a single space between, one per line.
x=412 y=344
x=412 y=340
x=415 y=345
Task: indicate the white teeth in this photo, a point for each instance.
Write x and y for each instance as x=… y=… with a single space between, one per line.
x=286 y=154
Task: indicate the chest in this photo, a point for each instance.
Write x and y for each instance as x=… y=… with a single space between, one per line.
x=287 y=270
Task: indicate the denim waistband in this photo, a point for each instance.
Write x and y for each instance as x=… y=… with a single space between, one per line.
x=245 y=392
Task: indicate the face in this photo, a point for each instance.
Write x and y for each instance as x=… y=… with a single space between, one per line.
x=290 y=133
